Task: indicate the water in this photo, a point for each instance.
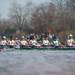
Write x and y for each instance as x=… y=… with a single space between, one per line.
x=37 y=62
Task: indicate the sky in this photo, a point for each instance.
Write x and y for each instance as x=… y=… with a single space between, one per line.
x=5 y=5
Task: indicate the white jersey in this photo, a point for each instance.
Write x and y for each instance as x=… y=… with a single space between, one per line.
x=33 y=42
x=12 y=42
x=46 y=42
x=70 y=42
x=23 y=42
x=3 y=42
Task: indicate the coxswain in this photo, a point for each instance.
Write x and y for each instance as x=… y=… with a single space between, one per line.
x=56 y=42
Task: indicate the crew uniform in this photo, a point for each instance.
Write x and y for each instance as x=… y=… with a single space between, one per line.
x=3 y=42
x=46 y=42
x=33 y=42
x=23 y=42
x=11 y=43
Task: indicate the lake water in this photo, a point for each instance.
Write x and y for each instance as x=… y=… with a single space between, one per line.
x=37 y=62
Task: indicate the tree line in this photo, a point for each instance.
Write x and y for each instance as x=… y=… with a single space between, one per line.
x=53 y=17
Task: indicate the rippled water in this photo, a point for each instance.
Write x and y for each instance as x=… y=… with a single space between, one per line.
x=37 y=62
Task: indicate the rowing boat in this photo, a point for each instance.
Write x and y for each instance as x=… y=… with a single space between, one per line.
x=49 y=49
x=37 y=48
x=46 y=48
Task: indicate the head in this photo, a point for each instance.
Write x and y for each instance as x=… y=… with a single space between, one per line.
x=70 y=36
x=22 y=37
x=4 y=37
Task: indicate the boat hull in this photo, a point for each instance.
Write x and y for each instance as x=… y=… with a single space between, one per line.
x=28 y=48
x=37 y=48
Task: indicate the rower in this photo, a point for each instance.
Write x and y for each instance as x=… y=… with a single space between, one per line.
x=3 y=41
x=46 y=42
x=23 y=41
x=33 y=42
x=70 y=41
x=11 y=42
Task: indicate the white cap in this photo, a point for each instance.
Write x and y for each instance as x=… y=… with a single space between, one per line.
x=70 y=35
x=22 y=37
x=4 y=37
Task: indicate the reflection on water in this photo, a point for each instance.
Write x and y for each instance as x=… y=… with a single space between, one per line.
x=37 y=63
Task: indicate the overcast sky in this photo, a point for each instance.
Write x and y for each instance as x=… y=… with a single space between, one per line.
x=5 y=5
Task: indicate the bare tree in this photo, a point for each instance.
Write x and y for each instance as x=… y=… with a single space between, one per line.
x=70 y=6
x=16 y=14
x=58 y=16
x=21 y=15
x=42 y=18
